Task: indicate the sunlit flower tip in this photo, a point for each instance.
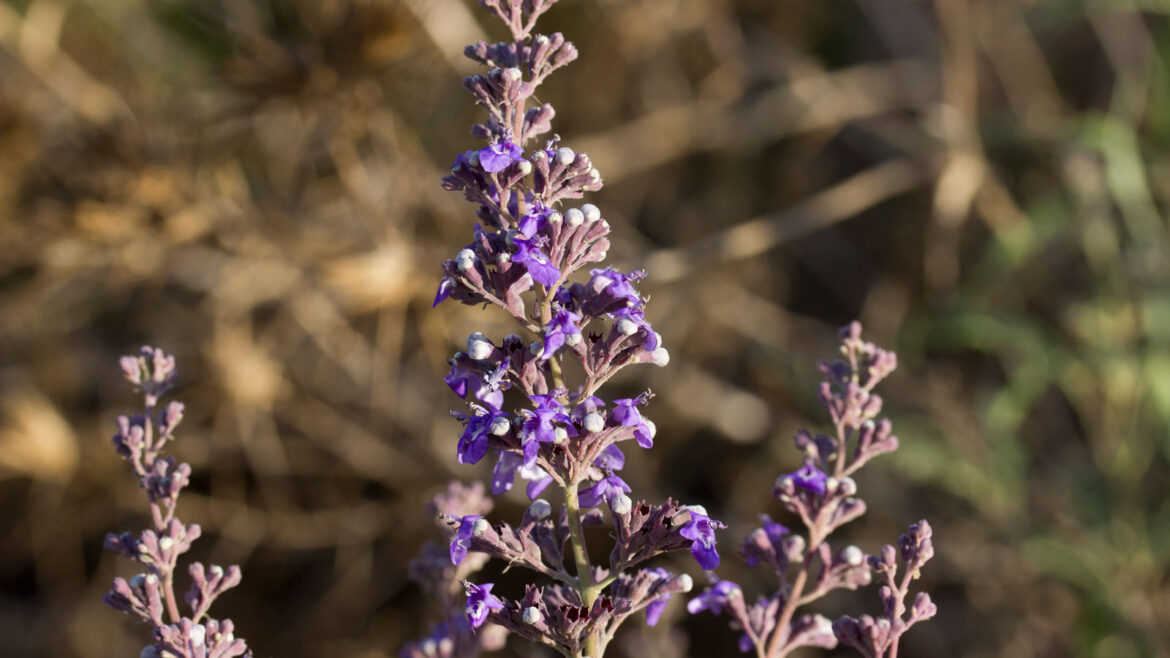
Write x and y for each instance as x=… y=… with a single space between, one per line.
x=446 y=646
x=661 y=357
x=848 y=487
x=512 y=73
x=565 y=156
x=165 y=544
x=554 y=217
x=574 y=217
x=465 y=259
x=593 y=422
x=197 y=635
x=627 y=327
x=621 y=504
x=539 y=509
x=478 y=346
x=852 y=556
x=481 y=526
x=531 y=616
x=592 y=213
x=541 y=40
x=500 y=426
x=651 y=428
x=686 y=583
x=535 y=347
x=594 y=175
x=696 y=509
x=503 y=258
x=446 y=285
x=831 y=484
x=525 y=167
x=429 y=647
x=561 y=435
x=572 y=340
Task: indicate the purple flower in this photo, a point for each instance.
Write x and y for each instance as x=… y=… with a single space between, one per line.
x=462 y=380
x=810 y=478
x=499 y=156
x=603 y=490
x=445 y=288
x=613 y=290
x=560 y=330
x=715 y=598
x=773 y=531
x=462 y=539
x=480 y=601
x=529 y=254
x=625 y=411
x=611 y=457
x=539 y=427
x=654 y=610
x=629 y=321
x=532 y=222
x=701 y=531
x=505 y=472
x=473 y=445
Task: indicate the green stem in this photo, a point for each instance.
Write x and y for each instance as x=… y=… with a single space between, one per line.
x=585 y=585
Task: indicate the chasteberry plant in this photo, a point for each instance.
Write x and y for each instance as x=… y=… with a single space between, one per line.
x=150 y=595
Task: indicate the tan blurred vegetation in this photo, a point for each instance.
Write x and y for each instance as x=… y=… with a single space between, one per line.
x=253 y=185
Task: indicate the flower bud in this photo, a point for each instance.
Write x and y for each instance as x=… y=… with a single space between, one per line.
x=575 y=217
x=540 y=508
x=513 y=74
x=554 y=217
x=565 y=156
x=531 y=616
x=536 y=347
x=627 y=327
x=481 y=526
x=686 y=582
x=621 y=504
x=525 y=167
x=852 y=556
x=592 y=214
x=479 y=347
x=593 y=422
x=848 y=487
x=651 y=429
x=660 y=357
x=561 y=435
x=500 y=426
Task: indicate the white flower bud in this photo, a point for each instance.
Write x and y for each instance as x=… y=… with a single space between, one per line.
x=660 y=357
x=627 y=327
x=525 y=167
x=686 y=582
x=166 y=543
x=651 y=428
x=848 y=487
x=823 y=625
x=554 y=217
x=592 y=213
x=594 y=175
x=478 y=346
x=481 y=526
x=831 y=485
x=561 y=435
x=512 y=73
x=539 y=509
x=697 y=509
x=429 y=647
x=446 y=646
x=531 y=616
x=500 y=426
x=575 y=216
x=197 y=634
x=565 y=156
x=536 y=347
x=852 y=556
x=151 y=579
x=541 y=40
x=137 y=579
x=503 y=257
x=621 y=504
x=216 y=571
x=572 y=340
x=593 y=422
x=538 y=156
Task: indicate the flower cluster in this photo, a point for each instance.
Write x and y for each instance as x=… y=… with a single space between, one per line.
x=150 y=595
x=442 y=577
x=525 y=255
x=823 y=494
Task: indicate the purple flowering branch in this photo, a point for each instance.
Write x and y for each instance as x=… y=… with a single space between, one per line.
x=150 y=595
x=823 y=495
x=526 y=248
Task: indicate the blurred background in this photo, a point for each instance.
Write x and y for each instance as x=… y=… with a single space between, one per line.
x=253 y=185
